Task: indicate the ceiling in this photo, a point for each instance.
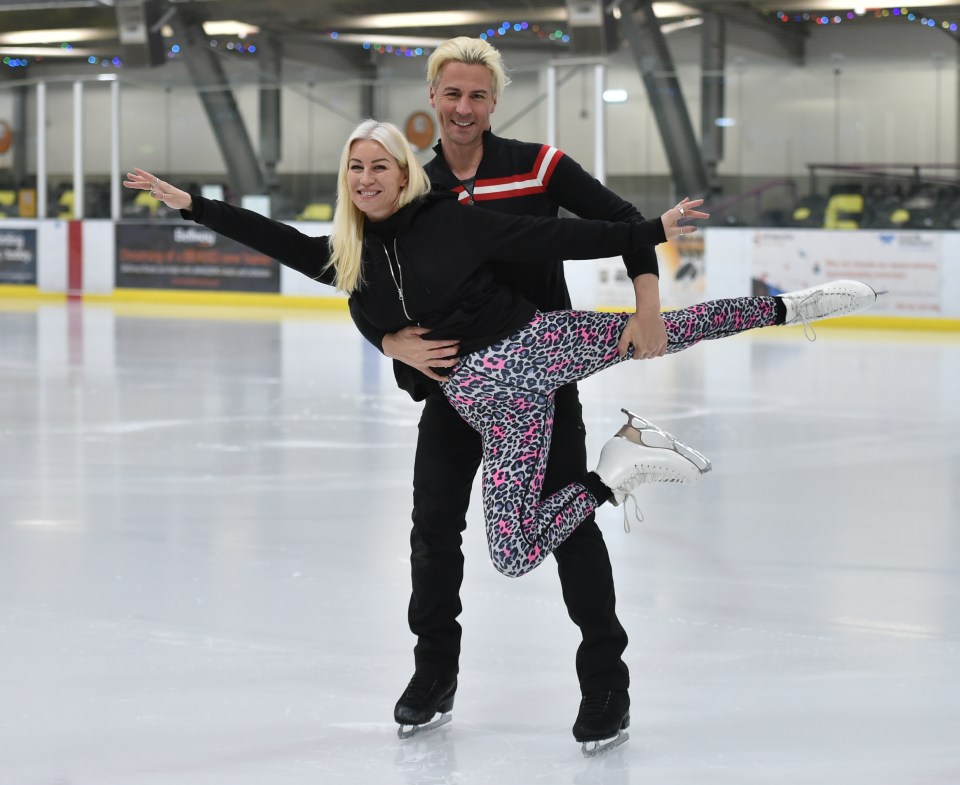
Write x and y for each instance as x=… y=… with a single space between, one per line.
x=99 y=25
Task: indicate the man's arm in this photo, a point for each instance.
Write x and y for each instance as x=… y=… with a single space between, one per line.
x=580 y=193
x=408 y=345
x=645 y=330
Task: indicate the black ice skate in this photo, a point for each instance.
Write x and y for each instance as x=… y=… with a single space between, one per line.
x=602 y=722
x=425 y=704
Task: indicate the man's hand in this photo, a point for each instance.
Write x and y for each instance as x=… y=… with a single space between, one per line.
x=645 y=330
x=646 y=333
x=410 y=347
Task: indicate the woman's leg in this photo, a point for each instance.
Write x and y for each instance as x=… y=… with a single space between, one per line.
x=506 y=393
x=708 y=321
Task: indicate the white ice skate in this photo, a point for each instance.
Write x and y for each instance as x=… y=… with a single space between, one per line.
x=837 y=298
x=642 y=453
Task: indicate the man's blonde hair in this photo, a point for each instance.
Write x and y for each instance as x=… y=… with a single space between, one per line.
x=470 y=51
x=346 y=237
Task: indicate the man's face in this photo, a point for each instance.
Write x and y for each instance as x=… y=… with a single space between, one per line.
x=463 y=101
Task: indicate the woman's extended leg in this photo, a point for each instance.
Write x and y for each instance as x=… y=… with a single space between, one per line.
x=506 y=393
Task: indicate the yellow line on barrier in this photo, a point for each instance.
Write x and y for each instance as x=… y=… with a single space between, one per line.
x=244 y=306
x=260 y=305
x=16 y=292
x=230 y=299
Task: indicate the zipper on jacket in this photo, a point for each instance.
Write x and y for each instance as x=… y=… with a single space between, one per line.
x=397 y=276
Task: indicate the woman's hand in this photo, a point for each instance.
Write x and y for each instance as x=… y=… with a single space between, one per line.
x=675 y=220
x=172 y=197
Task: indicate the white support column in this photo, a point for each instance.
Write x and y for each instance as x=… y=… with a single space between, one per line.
x=115 y=150
x=41 y=150
x=78 y=184
x=600 y=123
x=552 y=105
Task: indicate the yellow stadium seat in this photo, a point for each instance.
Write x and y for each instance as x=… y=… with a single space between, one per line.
x=316 y=211
x=144 y=200
x=844 y=211
x=66 y=206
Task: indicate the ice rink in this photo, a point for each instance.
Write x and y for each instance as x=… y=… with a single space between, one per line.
x=204 y=521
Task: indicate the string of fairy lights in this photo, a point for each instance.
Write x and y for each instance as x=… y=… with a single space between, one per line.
x=504 y=29
x=528 y=29
x=904 y=14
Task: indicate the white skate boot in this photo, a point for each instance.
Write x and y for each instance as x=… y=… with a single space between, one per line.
x=837 y=298
x=643 y=453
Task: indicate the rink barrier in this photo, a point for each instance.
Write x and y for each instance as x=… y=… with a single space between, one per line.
x=78 y=260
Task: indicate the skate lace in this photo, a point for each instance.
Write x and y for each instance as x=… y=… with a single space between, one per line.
x=637 y=512
x=631 y=482
x=594 y=706
x=419 y=688
x=808 y=332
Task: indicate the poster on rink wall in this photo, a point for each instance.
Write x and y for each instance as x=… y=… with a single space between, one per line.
x=171 y=256
x=906 y=264
x=681 y=277
x=18 y=256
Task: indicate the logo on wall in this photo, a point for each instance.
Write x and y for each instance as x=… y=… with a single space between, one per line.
x=6 y=136
x=419 y=130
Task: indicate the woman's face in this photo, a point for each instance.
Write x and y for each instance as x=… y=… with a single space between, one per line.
x=375 y=179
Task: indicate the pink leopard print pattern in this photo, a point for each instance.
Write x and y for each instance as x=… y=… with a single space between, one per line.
x=506 y=391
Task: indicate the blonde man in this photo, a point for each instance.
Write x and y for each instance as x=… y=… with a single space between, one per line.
x=466 y=78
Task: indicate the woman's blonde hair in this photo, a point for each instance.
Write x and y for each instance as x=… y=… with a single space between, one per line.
x=469 y=51
x=346 y=238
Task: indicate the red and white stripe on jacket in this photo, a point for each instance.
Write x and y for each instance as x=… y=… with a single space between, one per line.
x=533 y=182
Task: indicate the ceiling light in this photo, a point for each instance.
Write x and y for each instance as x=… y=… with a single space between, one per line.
x=27 y=37
x=47 y=51
x=230 y=27
x=388 y=40
x=444 y=18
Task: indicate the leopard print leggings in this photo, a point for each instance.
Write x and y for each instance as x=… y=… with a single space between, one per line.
x=505 y=392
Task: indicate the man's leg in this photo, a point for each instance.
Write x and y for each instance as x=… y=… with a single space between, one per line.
x=447 y=459
x=586 y=579
x=583 y=563
x=448 y=455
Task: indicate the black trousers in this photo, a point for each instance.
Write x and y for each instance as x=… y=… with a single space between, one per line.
x=447 y=459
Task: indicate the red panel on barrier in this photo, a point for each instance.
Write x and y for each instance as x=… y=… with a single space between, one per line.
x=75 y=260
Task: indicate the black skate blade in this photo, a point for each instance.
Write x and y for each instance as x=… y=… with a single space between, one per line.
x=591 y=749
x=406 y=731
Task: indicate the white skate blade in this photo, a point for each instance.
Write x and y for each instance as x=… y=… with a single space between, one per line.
x=591 y=749
x=653 y=436
x=406 y=731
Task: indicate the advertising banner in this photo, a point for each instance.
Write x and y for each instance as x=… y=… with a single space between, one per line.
x=908 y=265
x=18 y=256
x=681 y=277
x=189 y=256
